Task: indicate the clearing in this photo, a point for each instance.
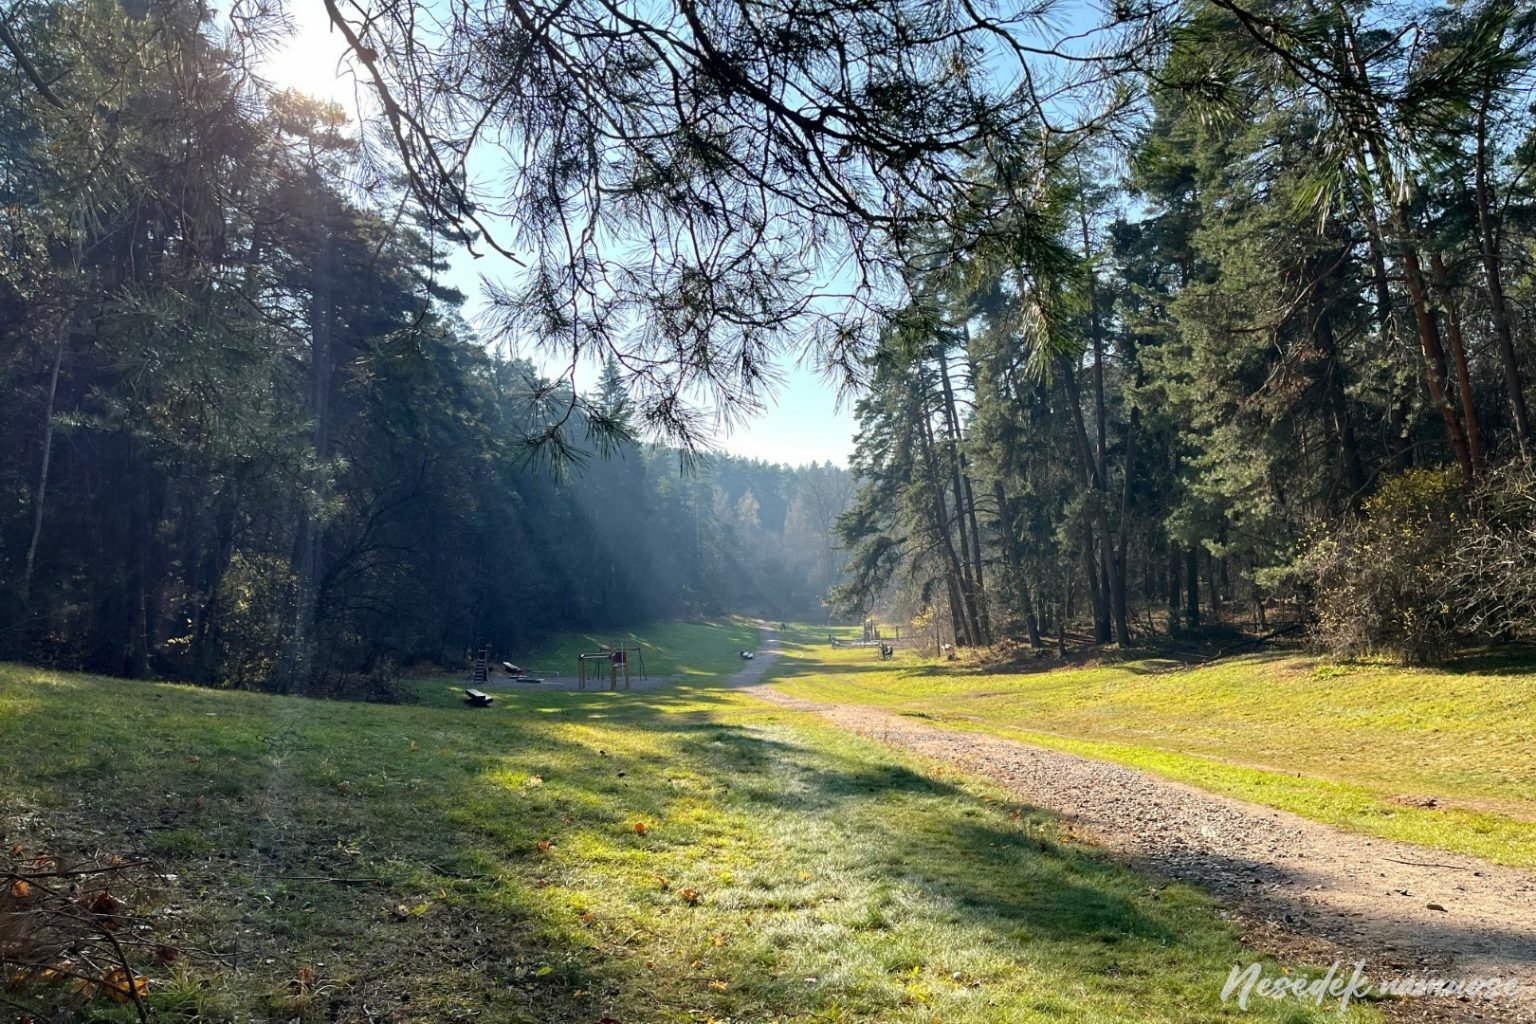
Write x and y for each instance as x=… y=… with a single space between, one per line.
x=1439 y=758
x=687 y=854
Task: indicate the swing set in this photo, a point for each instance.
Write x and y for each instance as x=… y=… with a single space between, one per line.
x=618 y=661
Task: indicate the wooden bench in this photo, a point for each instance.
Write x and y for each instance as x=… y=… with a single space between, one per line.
x=476 y=699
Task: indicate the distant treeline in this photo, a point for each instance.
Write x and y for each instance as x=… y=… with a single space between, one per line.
x=250 y=441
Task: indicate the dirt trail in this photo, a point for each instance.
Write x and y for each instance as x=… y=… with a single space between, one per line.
x=1298 y=886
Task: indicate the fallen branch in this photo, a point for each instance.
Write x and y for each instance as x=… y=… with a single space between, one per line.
x=1424 y=864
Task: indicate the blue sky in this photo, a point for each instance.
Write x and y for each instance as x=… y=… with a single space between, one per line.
x=803 y=423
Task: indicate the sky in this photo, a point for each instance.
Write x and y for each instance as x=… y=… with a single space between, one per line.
x=802 y=423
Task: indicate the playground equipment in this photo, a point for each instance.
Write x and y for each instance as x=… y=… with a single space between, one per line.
x=616 y=658
x=873 y=637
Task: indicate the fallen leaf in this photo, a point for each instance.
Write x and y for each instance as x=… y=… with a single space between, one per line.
x=108 y=908
x=122 y=988
x=641 y=828
x=20 y=890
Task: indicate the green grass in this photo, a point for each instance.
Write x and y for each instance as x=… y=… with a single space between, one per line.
x=834 y=880
x=691 y=650
x=1360 y=746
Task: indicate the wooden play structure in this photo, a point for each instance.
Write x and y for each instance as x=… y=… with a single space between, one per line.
x=621 y=660
x=873 y=637
x=479 y=675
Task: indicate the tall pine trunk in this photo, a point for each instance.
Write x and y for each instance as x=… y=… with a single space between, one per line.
x=1459 y=362
x=1498 y=308
x=311 y=532
x=960 y=584
x=40 y=492
x=965 y=504
x=1099 y=531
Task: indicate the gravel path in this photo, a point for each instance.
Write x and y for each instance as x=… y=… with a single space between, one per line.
x=1297 y=886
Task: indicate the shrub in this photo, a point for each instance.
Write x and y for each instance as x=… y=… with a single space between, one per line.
x=1378 y=584
x=1489 y=572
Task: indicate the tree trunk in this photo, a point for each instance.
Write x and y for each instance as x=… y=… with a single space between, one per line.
x=965 y=503
x=1459 y=361
x=40 y=493
x=1488 y=236
x=1434 y=359
x=1099 y=517
x=956 y=617
x=1013 y=562
x=1175 y=569
x=1118 y=598
x=311 y=531
x=941 y=526
x=1098 y=599
x=1192 y=586
x=1350 y=469
x=1387 y=184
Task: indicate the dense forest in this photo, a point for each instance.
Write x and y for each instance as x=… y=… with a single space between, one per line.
x=250 y=438
x=1273 y=356
x=1206 y=312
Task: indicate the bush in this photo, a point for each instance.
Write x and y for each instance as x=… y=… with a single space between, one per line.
x=255 y=610
x=1427 y=566
x=1489 y=572
x=1378 y=584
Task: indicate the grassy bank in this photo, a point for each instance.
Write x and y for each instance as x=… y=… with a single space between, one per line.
x=434 y=863
x=1441 y=758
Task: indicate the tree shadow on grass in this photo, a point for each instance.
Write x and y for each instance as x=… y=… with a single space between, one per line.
x=459 y=863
